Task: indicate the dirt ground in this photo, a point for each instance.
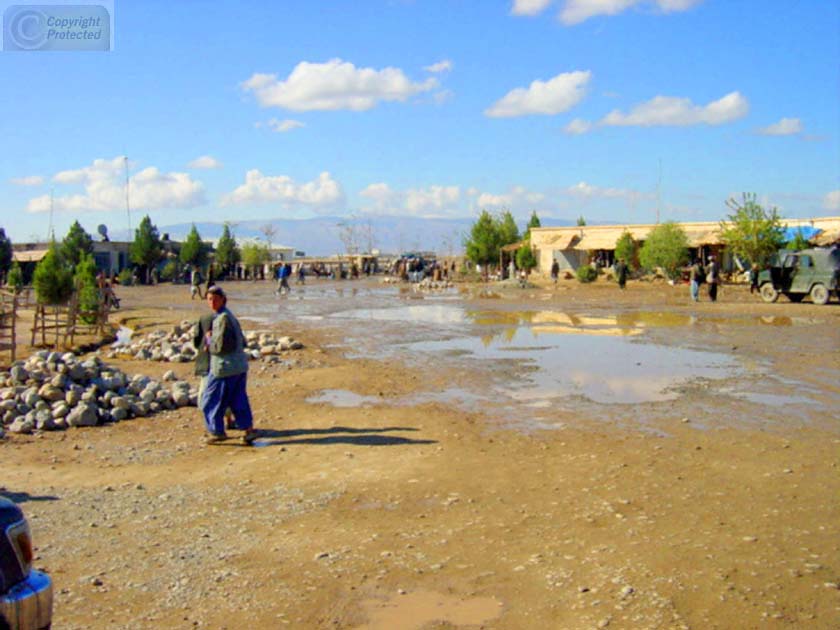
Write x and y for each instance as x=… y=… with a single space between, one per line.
x=709 y=510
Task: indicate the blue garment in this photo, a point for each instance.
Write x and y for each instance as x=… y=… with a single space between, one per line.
x=223 y=392
x=695 y=290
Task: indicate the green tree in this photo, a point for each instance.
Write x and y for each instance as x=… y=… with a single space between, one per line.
x=147 y=248
x=667 y=247
x=53 y=280
x=506 y=226
x=483 y=243
x=525 y=258
x=75 y=245
x=227 y=252
x=14 y=279
x=751 y=232
x=533 y=222
x=5 y=253
x=625 y=247
x=194 y=250
x=581 y=221
x=84 y=281
x=255 y=255
x=586 y=274
x=798 y=242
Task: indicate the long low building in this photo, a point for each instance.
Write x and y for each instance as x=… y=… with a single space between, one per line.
x=575 y=246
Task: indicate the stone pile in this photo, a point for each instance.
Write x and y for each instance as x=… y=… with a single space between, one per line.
x=176 y=346
x=52 y=391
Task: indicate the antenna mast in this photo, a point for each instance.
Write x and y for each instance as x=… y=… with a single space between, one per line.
x=127 y=204
x=658 y=192
x=50 y=234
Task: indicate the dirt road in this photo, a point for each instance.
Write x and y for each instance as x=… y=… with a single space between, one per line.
x=374 y=501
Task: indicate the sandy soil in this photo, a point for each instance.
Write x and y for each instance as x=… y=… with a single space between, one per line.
x=706 y=511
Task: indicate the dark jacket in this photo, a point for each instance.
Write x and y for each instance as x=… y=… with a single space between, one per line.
x=202 y=359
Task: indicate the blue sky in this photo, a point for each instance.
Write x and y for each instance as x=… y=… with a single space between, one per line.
x=610 y=109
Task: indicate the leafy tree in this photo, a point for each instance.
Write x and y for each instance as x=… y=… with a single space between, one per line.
x=53 y=281
x=506 y=226
x=5 y=252
x=76 y=245
x=533 y=222
x=483 y=243
x=255 y=255
x=169 y=271
x=227 y=251
x=14 y=279
x=581 y=221
x=625 y=247
x=147 y=248
x=751 y=232
x=84 y=280
x=194 y=250
x=798 y=242
x=525 y=258
x=666 y=247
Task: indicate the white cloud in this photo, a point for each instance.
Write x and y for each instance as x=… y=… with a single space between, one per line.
x=529 y=7
x=441 y=66
x=785 y=127
x=577 y=127
x=205 y=162
x=29 y=180
x=517 y=198
x=832 y=201
x=432 y=201
x=281 y=126
x=104 y=184
x=673 y=111
x=577 y=11
x=556 y=95
x=334 y=85
x=321 y=193
x=589 y=191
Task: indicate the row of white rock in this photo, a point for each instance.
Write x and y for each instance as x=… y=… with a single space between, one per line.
x=176 y=346
x=51 y=391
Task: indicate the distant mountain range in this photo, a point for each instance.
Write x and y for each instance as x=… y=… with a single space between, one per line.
x=324 y=236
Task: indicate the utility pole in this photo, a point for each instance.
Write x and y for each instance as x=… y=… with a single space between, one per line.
x=127 y=204
x=658 y=192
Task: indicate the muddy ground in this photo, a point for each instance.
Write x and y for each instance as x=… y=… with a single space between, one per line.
x=716 y=507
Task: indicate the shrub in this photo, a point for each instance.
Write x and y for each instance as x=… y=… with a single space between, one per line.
x=15 y=278
x=586 y=273
x=87 y=291
x=53 y=281
x=126 y=277
x=169 y=270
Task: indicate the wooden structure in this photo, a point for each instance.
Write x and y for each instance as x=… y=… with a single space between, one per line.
x=8 y=317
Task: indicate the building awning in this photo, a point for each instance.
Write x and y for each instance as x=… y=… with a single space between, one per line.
x=594 y=240
x=698 y=239
x=30 y=255
x=562 y=241
x=512 y=247
x=828 y=238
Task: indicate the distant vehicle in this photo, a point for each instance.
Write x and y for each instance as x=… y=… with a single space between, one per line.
x=814 y=272
x=25 y=594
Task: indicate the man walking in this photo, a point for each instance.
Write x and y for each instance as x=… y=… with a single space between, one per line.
x=713 y=278
x=227 y=380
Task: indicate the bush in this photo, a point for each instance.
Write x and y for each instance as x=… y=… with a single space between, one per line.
x=126 y=277
x=53 y=280
x=15 y=278
x=586 y=273
x=169 y=270
x=85 y=283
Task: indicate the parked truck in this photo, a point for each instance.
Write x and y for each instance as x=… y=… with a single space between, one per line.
x=797 y=274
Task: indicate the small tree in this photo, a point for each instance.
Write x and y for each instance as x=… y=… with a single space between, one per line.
x=666 y=247
x=751 y=232
x=483 y=243
x=581 y=221
x=14 y=279
x=76 y=245
x=5 y=253
x=506 y=226
x=798 y=242
x=147 y=248
x=533 y=222
x=53 y=281
x=194 y=250
x=84 y=281
x=255 y=255
x=227 y=252
x=625 y=247
x=525 y=258
x=586 y=274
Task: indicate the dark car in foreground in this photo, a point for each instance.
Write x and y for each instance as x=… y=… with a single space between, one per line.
x=814 y=272
x=25 y=594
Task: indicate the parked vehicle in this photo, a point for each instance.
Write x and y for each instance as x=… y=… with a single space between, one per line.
x=26 y=595
x=814 y=272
